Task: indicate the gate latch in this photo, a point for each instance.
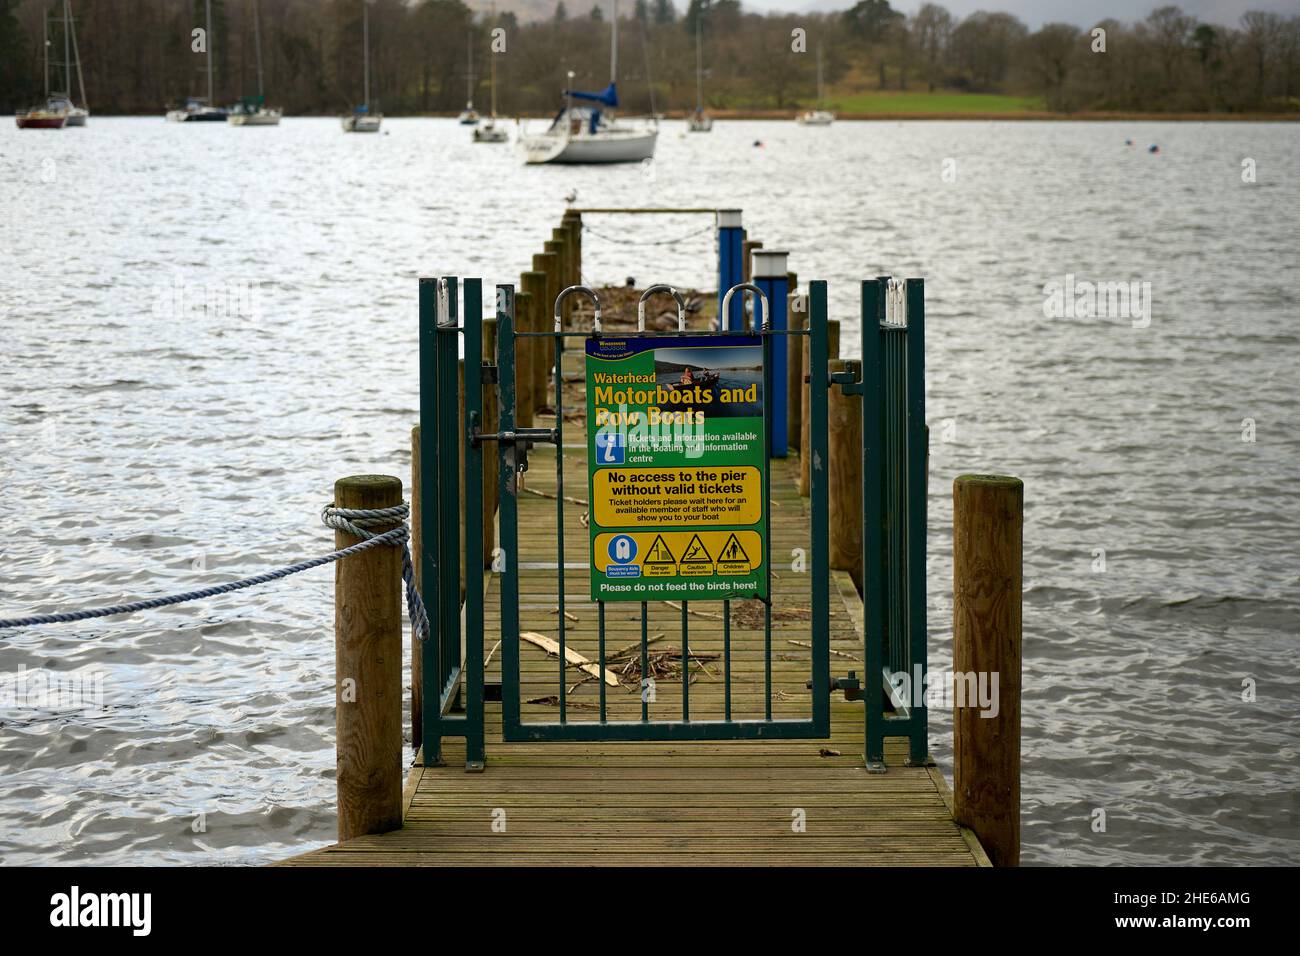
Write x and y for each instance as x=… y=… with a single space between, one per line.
x=516 y=443
x=851 y=686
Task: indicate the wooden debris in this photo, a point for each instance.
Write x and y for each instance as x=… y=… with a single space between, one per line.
x=830 y=650
x=691 y=610
x=571 y=657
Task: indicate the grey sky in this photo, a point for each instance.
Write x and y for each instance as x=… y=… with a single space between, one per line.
x=1037 y=12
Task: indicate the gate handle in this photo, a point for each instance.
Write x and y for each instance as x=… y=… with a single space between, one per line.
x=442 y=313
x=747 y=287
x=585 y=290
x=681 y=306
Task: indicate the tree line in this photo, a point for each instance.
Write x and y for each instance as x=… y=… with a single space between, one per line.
x=138 y=56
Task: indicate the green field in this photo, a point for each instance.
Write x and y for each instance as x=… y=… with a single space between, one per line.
x=933 y=103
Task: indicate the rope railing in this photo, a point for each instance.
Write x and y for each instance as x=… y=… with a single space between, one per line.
x=351 y=521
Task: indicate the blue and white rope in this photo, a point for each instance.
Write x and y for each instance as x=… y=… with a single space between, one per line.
x=352 y=521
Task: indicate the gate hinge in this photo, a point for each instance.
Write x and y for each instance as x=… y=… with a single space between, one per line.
x=851 y=686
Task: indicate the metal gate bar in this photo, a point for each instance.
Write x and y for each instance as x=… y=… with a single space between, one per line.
x=513 y=727
x=894 y=513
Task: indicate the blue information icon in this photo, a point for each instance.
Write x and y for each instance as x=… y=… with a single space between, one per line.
x=609 y=448
x=622 y=549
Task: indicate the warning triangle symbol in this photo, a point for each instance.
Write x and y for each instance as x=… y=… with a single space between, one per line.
x=733 y=552
x=659 y=553
x=695 y=552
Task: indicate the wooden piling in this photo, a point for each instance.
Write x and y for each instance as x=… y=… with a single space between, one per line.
x=844 y=474
x=538 y=284
x=988 y=517
x=794 y=383
x=524 y=402
x=460 y=470
x=832 y=352
x=368 y=668
x=549 y=263
x=747 y=247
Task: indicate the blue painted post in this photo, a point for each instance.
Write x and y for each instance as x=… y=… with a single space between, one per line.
x=731 y=267
x=773 y=277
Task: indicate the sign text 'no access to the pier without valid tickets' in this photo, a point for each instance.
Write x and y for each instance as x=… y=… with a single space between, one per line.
x=676 y=468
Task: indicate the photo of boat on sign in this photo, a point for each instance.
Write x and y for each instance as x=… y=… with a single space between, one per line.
x=707 y=378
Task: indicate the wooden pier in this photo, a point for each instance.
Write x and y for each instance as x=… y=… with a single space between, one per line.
x=758 y=802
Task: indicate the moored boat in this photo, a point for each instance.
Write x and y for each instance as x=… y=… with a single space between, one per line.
x=199 y=109
x=819 y=116
x=252 y=110
x=361 y=120
x=41 y=119
x=590 y=134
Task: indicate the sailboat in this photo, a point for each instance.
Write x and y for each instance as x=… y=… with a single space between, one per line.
x=198 y=109
x=469 y=116
x=699 y=121
x=47 y=116
x=490 y=132
x=361 y=119
x=588 y=134
x=77 y=115
x=252 y=111
x=819 y=116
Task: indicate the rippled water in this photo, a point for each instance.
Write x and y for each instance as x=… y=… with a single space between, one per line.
x=147 y=447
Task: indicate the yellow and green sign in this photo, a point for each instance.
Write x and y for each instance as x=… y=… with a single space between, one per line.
x=676 y=468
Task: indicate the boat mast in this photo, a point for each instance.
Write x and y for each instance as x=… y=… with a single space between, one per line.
x=469 y=70
x=492 y=70
x=699 y=67
x=207 y=5
x=67 y=51
x=45 y=36
x=819 y=76
x=613 y=48
x=81 y=80
x=365 y=42
x=257 y=41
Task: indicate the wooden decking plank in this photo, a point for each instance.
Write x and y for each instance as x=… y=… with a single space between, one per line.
x=697 y=803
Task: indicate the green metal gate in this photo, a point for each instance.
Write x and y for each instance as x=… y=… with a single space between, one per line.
x=894 y=528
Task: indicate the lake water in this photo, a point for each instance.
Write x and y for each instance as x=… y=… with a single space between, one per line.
x=202 y=327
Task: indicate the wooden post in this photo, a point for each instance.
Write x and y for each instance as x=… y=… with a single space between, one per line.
x=987 y=520
x=524 y=403
x=417 y=658
x=368 y=668
x=538 y=283
x=572 y=224
x=747 y=252
x=794 y=385
x=491 y=473
x=832 y=351
x=844 y=474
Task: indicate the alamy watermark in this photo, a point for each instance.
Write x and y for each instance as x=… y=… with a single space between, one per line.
x=946 y=689
x=45 y=690
x=182 y=301
x=1071 y=298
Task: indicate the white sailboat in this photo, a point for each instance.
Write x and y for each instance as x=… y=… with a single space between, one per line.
x=47 y=116
x=76 y=115
x=490 y=132
x=469 y=115
x=361 y=120
x=254 y=111
x=590 y=134
x=699 y=121
x=819 y=116
x=198 y=109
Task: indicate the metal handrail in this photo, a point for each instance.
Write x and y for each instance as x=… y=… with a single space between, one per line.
x=750 y=287
x=571 y=290
x=660 y=287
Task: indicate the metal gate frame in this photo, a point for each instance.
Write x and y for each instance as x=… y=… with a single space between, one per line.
x=894 y=525
x=513 y=727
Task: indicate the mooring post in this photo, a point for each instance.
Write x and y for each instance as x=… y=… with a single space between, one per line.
x=560 y=241
x=534 y=285
x=772 y=276
x=368 y=667
x=524 y=403
x=747 y=251
x=572 y=223
x=796 y=307
x=730 y=269
x=833 y=351
x=844 y=474
x=987 y=521
x=543 y=349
